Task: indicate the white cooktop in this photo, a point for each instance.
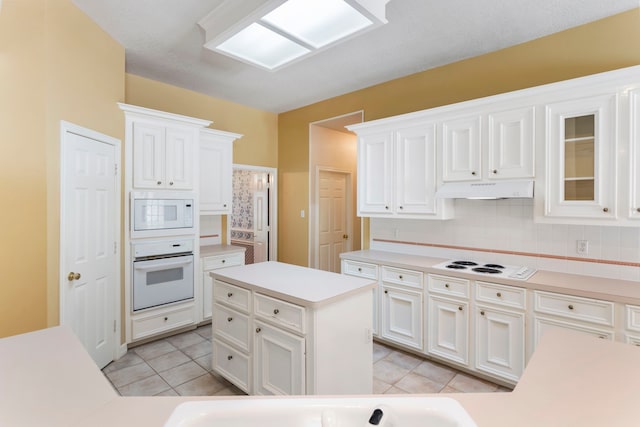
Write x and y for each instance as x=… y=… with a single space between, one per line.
x=488 y=269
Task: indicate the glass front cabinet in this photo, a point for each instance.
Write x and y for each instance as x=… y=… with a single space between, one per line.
x=581 y=158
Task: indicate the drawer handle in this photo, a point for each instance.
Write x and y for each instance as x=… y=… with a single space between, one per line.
x=276 y=311
x=159 y=182
x=230 y=294
x=258 y=330
x=386 y=292
x=570 y=306
x=499 y=295
x=166 y=318
x=229 y=319
x=482 y=313
x=359 y=269
x=224 y=260
x=460 y=308
x=446 y=285
x=473 y=172
x=229 y=357
x=602 y=337
x=495 y=171
x=605 y=210
x=400 y=277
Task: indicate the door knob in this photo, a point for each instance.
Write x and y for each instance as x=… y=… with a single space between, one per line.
x=73 y=276
x=345 y=236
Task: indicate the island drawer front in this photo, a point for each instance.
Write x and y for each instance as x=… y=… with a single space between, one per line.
x=449 y=286
x=633 y=317
x=164 y=320
x=577 y=308
x=360 y=269
x=220 y=261
x=280 y=312
x=231 y=364
x=401 y=276
x=232 y=326
x=507 y=296
x=231 y=295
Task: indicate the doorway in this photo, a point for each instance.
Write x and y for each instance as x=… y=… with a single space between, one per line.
x=90 y=239
x=254 y=217
x=333 y=224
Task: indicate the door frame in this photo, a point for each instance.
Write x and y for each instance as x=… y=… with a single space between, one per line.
x=315 y=212
x=273 y=206
x=70 y=128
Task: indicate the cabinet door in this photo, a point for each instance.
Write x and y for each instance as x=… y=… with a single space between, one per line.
x=461 y=149
x=416 y=171
x=215 y=175
x=500 y=342
x=448 y=335
x=279 y=362
x=148 y=156
x=402 y=316
x=543 y=324
x=511 y=144
x=207 y=295
x=180 y=146
x=375 y=174
x=581 y=158
x=634 y=202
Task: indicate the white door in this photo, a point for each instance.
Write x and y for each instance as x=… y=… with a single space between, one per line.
x=261 y=217
x=90 y=212
x=333 y=233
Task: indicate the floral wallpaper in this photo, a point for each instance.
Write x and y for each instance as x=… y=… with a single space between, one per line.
x=242 y=216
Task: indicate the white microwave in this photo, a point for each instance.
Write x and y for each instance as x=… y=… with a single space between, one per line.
x=156 y=214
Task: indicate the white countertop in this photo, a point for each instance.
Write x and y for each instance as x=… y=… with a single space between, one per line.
x=210 y=250
x=48 y=379
x=623 y=291
x=300 y=285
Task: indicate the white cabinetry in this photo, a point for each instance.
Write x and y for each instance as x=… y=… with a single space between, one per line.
x=209 y=264
x=366 y=271
x=397 y=175
x=585 y=315
x=448 y=318
x=633 y=204
x=268 y=345
x=402 y=294
x=632 y=327
x=581 y=149
x=500 y=330
x=508 y=153
x=216 y=171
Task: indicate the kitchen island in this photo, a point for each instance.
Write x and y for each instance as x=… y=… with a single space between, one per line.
x=290 y=330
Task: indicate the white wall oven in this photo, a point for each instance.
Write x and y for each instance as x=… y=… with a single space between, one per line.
x=156 y=214
x=162 y=273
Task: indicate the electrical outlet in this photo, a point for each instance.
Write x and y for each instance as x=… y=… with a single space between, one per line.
x=582 y=247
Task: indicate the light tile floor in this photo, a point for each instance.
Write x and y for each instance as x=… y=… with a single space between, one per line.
x=181 y=365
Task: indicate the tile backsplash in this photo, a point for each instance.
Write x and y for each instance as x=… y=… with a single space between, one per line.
x=505 y=231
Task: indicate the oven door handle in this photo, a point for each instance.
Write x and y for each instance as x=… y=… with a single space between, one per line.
x=161 y=264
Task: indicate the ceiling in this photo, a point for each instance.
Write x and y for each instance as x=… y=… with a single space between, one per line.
x=163 y=42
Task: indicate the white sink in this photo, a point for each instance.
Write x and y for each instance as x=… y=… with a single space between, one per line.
x=324 y=412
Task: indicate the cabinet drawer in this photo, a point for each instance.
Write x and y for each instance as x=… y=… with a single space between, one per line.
x=507 y=296
x=231 y=295
x=449 y=286
x=162 y=320
x=221 y=261
x=400 y=276
x=360 y=269
x=231 y=364
x=633 y=317
x=231 y=325
x=280 y=312
x=570 y=307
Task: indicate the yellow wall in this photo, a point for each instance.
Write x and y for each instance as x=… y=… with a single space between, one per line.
x=48 y=73
x=600 y=46
x=258 y=145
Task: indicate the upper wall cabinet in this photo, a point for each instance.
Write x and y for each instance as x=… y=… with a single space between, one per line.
x=497 y=145
x=633 y=205
x=161 y=149
x=581 y=147
x=216 y=171
x=397 y=174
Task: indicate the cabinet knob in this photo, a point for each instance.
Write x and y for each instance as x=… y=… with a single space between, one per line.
x=446 y=285
x=459 y=308
x=171 y=183
x=166 y=318
x=258 y=330
x=482 y=313
x=359 y=270
x=276 y=311
x=229 y=319
x=400 y=277
x=386 y=292
x=499 y=295
x=400 y=207
x=224 y=206
x=570 y=306
x=473 y=172
x=386 y=207
x=605 y=209
x=637 y=209
x=495 y=171
x=224 y=260
x=159 y=182
x=229 y=357
x=230 y=294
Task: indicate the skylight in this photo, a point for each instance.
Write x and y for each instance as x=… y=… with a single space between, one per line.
x=277 y=33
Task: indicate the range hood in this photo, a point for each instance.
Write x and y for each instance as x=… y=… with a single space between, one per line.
x=520 y=189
